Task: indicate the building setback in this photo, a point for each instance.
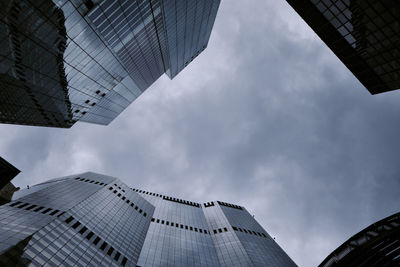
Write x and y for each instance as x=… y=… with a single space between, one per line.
x=69 y=60
x=364 y=35
x=93 y=219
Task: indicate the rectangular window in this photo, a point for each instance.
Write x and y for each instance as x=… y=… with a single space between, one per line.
x=167 y=222
x=191 y=228
x=162 y=221
x=15 y=203
x=89 y=235
x=195 y=229
x=158 y=220
x=69 y=219
x=152 y=219
x=110 y=251
x=119 y=195
x=205 y=231
x=23 y=205
x=30 y=207
x=234 y=228
x=104 y=245
x=172 y=224
x=76 y=225
x=117 y=255
x=123 y=263
x=220 y=230
x=123 y=198
x=201 y=231
x=54 y=212
x=144 y=214
x=140 y=211
x=38 y=209
x=62 y=213
x=136 y=207
x=96 y=240
x=46 y=211
x=226 y=230
x=186 y=227
x=215 y=231
x=83 y=230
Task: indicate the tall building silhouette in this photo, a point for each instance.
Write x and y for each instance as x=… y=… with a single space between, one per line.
x=93 y=219
x=376 y=245
x=87 y=60
x=364 y=35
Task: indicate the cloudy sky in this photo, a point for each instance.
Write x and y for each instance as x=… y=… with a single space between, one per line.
x=266 y=117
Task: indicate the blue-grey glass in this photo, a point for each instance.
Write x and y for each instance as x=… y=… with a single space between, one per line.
x=67 y=60
x=93 y=219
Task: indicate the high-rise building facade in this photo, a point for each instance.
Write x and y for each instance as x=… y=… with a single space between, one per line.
x=364 y=34
x=67 y=60
x=93 y=219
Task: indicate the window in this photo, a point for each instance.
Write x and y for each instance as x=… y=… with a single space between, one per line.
x=117 y=255
x=124 y=260
x=226 y=230
x=234 y=228
x=119 y=195
x=123 y=198
x=23 y=205
x=201 y=231
x=191 y=228
x=62 y=213
x=69 y=219
x=38 y=209
x=136 y=207
x=110 y=251
x=158 y=220
x=89 y=235
x=104 y=245
x=46 y=211
x=15 y=203
x=54 y=212
x=195 y=229
x=140 y=211
x=205 y=231
x=162 y=221
x=97 y=239
x=172 y=224
x=30 y=207
x=215 y=231
x=83 y=230
x=76 y=225
x=167 y=222
x=220 y=230
x=186 y=227
x=144 y=214
x=152 y=219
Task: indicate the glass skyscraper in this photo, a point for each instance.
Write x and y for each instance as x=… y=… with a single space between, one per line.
x=67 y=60
x=93 y=219
x=364 y=34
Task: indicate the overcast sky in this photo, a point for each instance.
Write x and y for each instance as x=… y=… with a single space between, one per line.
x=266 y=117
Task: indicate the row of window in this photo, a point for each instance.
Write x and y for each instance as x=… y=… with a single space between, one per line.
x=181 y=226
x=90 y=181
x=36 y=208
x=89 y=235
x=190 y=203
x=229 y=205
x=249 y=231
x=127 y=201
x=209 y=204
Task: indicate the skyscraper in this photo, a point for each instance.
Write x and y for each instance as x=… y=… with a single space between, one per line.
x=93 y=219
x=68 y=60
x=377 y=245
x=365 y=35
x=7 y=173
